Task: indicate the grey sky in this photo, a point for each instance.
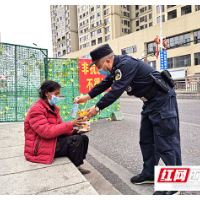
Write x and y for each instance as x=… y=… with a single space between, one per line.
x=26 y=22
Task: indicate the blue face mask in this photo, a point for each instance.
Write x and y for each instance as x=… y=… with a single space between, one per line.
x=102 y=72
x=54 y=100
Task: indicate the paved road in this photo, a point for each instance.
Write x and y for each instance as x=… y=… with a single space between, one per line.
x=114 y=146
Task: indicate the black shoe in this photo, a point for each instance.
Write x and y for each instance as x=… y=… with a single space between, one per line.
x=167 y=193
x=139 y=179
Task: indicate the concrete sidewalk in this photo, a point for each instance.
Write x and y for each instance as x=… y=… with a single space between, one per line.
x=19 y=176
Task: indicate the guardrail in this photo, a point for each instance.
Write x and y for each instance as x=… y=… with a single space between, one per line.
x=186 y=86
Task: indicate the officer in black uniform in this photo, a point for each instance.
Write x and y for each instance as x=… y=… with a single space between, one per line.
x=159 y=131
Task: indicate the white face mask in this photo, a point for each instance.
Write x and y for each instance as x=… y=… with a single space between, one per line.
x=54 y=100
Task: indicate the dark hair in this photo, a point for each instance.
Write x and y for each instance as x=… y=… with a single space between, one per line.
x=48 y=86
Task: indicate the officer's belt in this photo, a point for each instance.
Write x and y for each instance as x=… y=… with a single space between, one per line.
x=152 y=92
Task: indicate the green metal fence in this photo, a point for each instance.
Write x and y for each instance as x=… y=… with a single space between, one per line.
x=66 y=73
x=23 y=69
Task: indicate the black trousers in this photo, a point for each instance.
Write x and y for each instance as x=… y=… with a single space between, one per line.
x=74 y=147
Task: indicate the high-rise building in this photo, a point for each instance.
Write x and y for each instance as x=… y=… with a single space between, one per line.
x=64 y=29
x=180 y=26
x=129 y=29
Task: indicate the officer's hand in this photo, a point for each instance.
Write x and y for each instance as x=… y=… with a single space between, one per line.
x=82 y=99
x=92 y=112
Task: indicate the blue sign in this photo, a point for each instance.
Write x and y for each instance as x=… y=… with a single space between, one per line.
x=163 y=60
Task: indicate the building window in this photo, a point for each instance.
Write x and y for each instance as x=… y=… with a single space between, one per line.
x=68 y=49
x=55 y=55
x=57 y=7
x=63 y=45
x=100 y=40
x=98 y=15
x=53 y=19
x=107 y=38
x=128 y=24
x=137 y=23
x=163 y=19
x=151 y=47
x=173 y=42
x=126 y=14
x=180 y=61
x=92 y=25
x=107 y=29
x=62 y=25
x=93 y=34
x=63 y=38
x=196 y=37
x=186 y=10
x=91 y=10
x=92 y=18
x=104 y=6
x=143 y=27
x=98 y=7
x=67 y=7
x=52 y=13
x=143 y=10
x=142 y=19
x=59 y=54
x=197 y=58
x=99 y=32
x=125 y=22
x=106 y=11
x=93 y=42
x=150 y=7
x=152 y=64
x=197 y=7
x=137 y=14
x=98 y=22
x=162 y=8
x=86 y=30
x=172 y=15
x=107 y=20
x=136 y=7
x=150 y=24
x=52 y=6
x=54 y=50
x=150 y=16
x=128 y=50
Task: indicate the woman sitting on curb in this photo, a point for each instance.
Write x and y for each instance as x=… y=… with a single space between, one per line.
x=47 y=137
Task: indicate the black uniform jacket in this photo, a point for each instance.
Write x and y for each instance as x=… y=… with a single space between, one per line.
x=131 y=75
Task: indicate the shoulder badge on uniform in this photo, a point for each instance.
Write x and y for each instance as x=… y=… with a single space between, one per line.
x=118 y=74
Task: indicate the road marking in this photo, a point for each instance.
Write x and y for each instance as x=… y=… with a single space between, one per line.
x=190 y=124
x=121 y=172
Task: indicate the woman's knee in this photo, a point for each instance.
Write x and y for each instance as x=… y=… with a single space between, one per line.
x=85 y=138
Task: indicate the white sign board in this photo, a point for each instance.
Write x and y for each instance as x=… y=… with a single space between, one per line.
x=178 y=74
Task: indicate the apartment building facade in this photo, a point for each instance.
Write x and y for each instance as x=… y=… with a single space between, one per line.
x=180 y=25
x=64 y=29
x=77 y=27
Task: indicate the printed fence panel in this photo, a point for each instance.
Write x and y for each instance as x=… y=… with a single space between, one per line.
x=22 y=70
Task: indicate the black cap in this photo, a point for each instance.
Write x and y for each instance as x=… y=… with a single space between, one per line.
x=99 y=53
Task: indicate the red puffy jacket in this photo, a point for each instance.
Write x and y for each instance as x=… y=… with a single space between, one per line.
x=42 y=126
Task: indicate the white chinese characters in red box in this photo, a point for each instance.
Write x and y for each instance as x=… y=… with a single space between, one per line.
x=173 y=178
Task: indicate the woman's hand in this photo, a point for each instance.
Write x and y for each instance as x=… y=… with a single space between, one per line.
x=78 y=122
